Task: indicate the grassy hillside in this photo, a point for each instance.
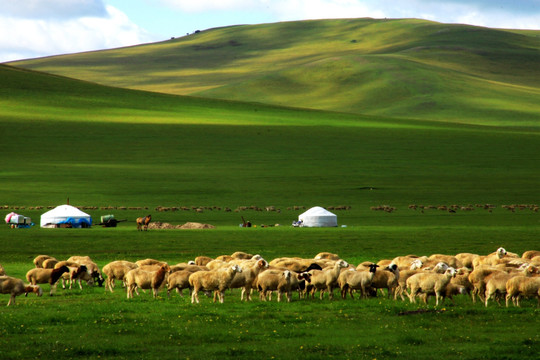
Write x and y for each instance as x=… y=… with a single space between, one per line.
x=398 y=68
x=111 y=146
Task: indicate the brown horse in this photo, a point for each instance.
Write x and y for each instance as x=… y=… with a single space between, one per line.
x=142 y=222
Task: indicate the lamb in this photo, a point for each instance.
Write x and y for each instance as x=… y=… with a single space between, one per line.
x=244 y=280
x=275 y=280
x=42 y=276
x=326 y=279
x=117 y=270
x=16 y=287
x=522 y=286
x=357 y=280
x=38 y=260
x=429 y=282
x=213 y=280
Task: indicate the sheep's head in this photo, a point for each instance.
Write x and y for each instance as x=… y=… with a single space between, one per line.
x=262 y=264
x=36 y=289
x=373 y=267
x=256 y=257
x=237 y=268
x=342 y=263
x=451 y=272
x=305 y=276
x=416 y=264
x=287 y=274
x=441 y=267
x=501 y=252
x=392 y=268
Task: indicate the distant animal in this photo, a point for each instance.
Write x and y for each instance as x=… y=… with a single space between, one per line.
x=142 y=222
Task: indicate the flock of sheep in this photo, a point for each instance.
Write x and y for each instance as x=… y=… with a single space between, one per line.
x=499 y=275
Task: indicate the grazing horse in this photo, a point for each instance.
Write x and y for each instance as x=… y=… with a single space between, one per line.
x=142 y=222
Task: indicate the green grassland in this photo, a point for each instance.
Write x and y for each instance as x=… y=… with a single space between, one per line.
x=110 y=147
x=403 y=68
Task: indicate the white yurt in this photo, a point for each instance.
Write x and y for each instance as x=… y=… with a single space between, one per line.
x=66 y=214
x=317 y=217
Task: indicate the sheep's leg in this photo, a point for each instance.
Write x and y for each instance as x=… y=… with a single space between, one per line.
x=289 y=296
x=508 y=296
x=11 y=300
x=279 y=293
x=80 y=285
x=221 y=296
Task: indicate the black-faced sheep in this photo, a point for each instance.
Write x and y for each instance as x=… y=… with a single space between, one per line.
x=357 y=280
x=16 y=287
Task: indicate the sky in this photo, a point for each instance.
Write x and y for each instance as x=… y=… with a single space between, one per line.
x=37 y=28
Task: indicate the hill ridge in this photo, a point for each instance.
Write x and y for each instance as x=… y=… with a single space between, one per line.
x=403 y=68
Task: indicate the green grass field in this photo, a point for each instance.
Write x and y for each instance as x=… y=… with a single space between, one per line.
x=110 y=147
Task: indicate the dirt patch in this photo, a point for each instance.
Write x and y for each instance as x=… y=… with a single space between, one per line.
x=189 y=225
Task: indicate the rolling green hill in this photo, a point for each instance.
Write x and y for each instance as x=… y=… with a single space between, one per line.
x=399 y=68
x=102 y=145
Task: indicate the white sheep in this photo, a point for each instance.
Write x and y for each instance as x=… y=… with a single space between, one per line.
x=326 y=279
x=117 y=270
x=496 y=283
x=429 y=283
x=275 y=280
x=245 y=279
x=16 y=287
x=522 y=286
x=213 y=280
x=43 y=276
